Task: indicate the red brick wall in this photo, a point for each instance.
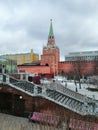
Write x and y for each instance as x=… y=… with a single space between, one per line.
x=67 y=67
x=35 y=69
x=87 y=67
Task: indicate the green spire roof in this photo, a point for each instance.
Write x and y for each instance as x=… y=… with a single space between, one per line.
x=51 y=30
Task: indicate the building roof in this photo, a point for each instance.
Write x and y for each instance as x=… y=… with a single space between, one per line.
x=21 y=54
x=4 y=59
x=84 y=53
x=35 y=63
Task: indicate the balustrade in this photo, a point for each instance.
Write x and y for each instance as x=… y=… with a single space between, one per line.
x=57 y=93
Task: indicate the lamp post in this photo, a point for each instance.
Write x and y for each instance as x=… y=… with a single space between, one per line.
x=93 y=103
x=11 y=66
x=3 y=68
x=76 y=89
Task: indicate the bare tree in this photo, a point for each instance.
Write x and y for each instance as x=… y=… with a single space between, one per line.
x=78 y=67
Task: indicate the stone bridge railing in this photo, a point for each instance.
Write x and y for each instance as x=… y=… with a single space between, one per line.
x=63 y=96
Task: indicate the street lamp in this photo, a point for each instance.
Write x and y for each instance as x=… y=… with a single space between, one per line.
x=76 y=89
x=20 y=97
x=93 y=102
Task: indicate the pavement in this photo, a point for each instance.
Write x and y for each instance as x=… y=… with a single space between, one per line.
x=10 y=122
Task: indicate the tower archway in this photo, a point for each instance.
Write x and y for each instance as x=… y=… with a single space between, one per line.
x=46 y=64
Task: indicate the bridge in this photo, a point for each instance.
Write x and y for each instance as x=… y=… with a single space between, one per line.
x=56 y=93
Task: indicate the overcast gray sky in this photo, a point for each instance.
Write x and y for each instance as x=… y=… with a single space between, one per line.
x=24 y=25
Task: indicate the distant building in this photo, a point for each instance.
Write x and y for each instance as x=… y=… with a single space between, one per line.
x=7 y=65
x=83 y=56
x=22 y=58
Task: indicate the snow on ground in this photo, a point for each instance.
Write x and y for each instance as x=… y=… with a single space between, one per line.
x=71 y=85
x=84 y=91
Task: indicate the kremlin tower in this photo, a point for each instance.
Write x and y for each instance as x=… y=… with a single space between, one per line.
x=51 y=55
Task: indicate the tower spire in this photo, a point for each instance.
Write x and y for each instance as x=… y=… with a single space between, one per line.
x=51 y=34
x=51 y=40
